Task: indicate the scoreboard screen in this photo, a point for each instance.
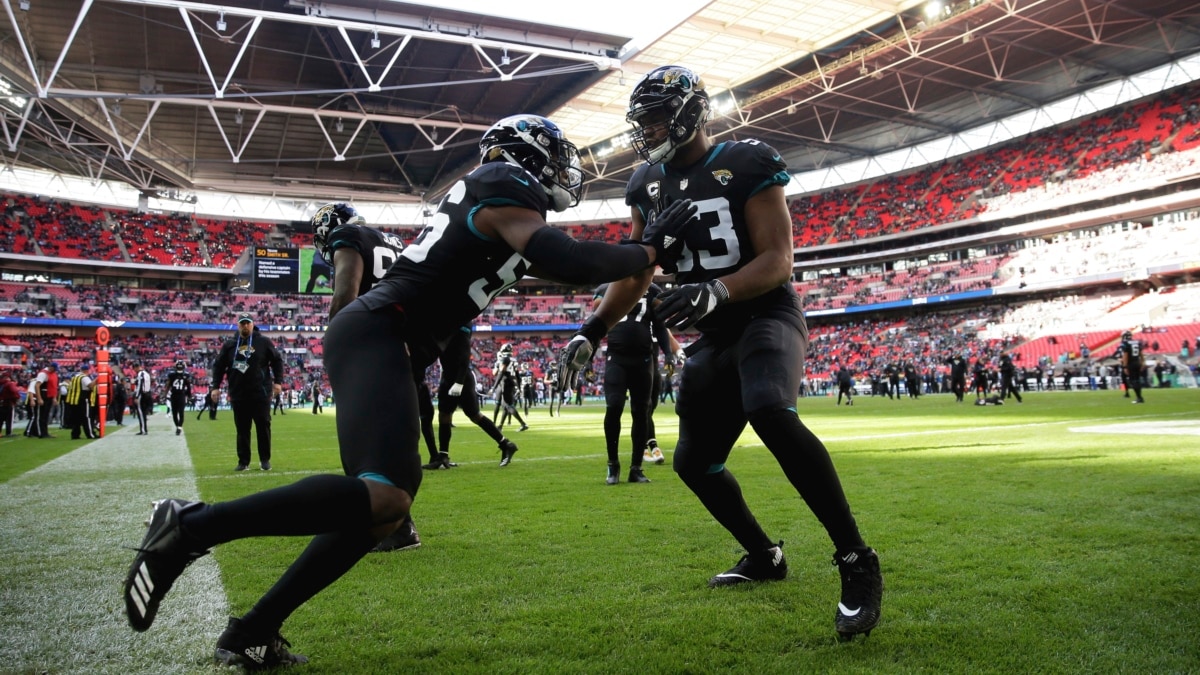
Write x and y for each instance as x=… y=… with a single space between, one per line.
x=276 y=270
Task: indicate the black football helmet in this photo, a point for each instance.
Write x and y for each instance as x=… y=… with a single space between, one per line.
x=540 y=147
x=180 y=366
x=1126 y=336
x=328 y=218
x=506 y=349
x=666 y=110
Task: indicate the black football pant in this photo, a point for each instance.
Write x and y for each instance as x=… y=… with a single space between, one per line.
x=256 y=413
x=634 y=376
x=177 y=407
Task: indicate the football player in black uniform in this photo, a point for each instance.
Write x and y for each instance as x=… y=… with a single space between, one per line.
x=506 y=390
x=179 y=388
x=736 y=272
x=845 y=383
x=490 y=230
x=979 y=379
x=361 y=255
x=1130 y=352
x=1008 y=378
x=958 y=376
x=457 y=389
x=629 y=369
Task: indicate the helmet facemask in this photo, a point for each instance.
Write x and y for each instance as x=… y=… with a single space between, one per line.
x=667 y=109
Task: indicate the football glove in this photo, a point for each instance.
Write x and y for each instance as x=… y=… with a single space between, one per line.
x=682 y=307
x=680 y=357
x=455 y=389
x=578 y=352
x=664 y=232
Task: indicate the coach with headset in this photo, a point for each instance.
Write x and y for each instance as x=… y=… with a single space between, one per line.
x=254 y=368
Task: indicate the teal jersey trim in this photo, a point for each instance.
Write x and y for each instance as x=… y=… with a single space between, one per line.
x=780 y=178
x=480 y=205
x=715 y=468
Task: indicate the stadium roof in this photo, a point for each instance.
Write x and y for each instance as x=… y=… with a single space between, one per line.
x=380 y=100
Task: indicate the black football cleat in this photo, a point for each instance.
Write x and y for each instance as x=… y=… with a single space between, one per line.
x=507 y=450
x=862 y=593
x=441 y=461
x=768 y=565
x=238 y=646
x=164 y=554
x=636 y=475
x=614 y=474
x=405 y=538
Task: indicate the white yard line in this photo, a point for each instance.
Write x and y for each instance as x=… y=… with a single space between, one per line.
x=89 y=507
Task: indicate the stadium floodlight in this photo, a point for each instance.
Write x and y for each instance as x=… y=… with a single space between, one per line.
x=504 y=60
x=375 y=39
x=338 y=126
x=238 y=118
x=24 y=5
x=221 y=23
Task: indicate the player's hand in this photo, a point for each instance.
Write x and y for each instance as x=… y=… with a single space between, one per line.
x=664 y=232
x=455 y=389
x=682 y=307
x=277 y=389
x=212 y=395
x=680 y=357
x=574 y=358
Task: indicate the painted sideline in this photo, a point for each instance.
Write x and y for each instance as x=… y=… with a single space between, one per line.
x=89 y=507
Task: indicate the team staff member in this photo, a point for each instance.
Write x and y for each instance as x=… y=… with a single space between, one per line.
x=10 y=396
x=254 y=368
x=42 y=392
x=315 y=392
x=747 y=365
x=141 y=401
x=77 y=413
x=179 y=388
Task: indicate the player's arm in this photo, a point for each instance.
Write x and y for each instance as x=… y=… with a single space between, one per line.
x=347 y=275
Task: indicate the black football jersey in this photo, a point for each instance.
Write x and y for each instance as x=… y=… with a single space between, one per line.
x=451 y=272
x=179 y=384
x=378 y=250
x=1132 y=349
x=635 y=334
x=456 y=357
x=719 y=185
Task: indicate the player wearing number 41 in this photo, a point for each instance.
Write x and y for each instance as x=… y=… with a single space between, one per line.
x=735 y=272
x=489 y=231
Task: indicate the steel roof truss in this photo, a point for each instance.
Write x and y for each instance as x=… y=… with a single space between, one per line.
x=219 y=91
x=339 y=155
x=373 y=84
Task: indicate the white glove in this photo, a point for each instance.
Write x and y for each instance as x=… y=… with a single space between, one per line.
x=456 y=389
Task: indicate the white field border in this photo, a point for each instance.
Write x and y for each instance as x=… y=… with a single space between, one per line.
x=71 y=618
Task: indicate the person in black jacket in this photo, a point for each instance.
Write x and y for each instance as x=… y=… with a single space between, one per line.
x=254 y=368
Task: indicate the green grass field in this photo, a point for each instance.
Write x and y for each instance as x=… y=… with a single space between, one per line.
x=1055 y=536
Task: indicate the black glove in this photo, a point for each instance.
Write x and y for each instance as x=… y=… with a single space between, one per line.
x=664 y=230
x=682 y=307
x=578 y=352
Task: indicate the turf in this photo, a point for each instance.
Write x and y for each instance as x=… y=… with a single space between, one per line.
x=1012 y=539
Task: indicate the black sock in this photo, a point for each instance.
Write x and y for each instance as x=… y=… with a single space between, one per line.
x=313 y=505
x=722 y=496
x=806 y=463
x=612 y=432
x=327 y=558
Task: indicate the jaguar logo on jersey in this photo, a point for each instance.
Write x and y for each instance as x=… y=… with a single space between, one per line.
x=653 y=190
x=723 y=176
x=683 y=184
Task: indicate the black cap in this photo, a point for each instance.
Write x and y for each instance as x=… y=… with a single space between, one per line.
x=245 y=317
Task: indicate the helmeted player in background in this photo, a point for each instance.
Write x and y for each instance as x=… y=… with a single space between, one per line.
x=506 y=389
x=845 y=383
x=979 y=378
x=958 y=376
x=360 y=256
x=747 y=365
x=1132 y=356
x=1008 y=378
x=457 y=389
x=179 y=391
x=489 y=231
x=629 y=366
